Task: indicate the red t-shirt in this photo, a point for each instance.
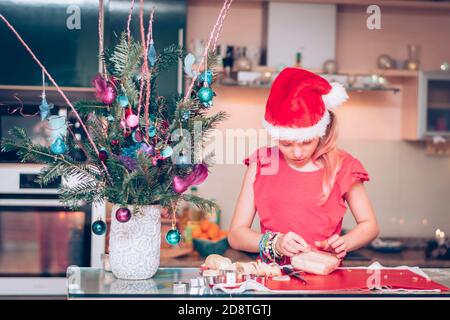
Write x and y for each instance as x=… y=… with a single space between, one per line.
x=288 y=200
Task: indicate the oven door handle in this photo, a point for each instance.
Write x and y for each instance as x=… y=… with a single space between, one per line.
x=31 y=203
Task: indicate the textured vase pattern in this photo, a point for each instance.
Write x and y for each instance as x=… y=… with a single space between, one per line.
x=134 y=246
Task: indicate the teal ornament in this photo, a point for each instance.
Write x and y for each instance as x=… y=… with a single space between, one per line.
x=99 y=227
x=151 y=54
x=58 y=146
x=206 y=76
x=110 y=118
x=205 y=95
x=123 y=101
x=173 y=237
x=44 y=108
x=167 y=152
x=152 y=131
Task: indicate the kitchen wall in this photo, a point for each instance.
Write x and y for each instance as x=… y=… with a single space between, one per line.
x=409 y=189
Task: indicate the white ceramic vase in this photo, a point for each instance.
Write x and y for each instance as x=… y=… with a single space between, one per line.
x=134 y=246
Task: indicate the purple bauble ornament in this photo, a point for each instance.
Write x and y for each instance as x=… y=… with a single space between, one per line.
x=123 y=215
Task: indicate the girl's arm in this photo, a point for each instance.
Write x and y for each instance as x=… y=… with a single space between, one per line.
x=241 y=236
x=366 y=229
x=367 y=226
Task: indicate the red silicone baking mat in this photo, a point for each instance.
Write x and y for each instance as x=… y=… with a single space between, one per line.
x=358 y=279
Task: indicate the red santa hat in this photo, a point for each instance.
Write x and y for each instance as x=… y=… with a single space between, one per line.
x=297 y=107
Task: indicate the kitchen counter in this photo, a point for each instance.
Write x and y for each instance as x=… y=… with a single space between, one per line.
x=95 y=283
x=362 y=257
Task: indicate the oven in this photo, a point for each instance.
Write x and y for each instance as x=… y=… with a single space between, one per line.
x=39 y=236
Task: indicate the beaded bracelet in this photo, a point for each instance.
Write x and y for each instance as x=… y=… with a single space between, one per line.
x=266 y=247
x=274 y=245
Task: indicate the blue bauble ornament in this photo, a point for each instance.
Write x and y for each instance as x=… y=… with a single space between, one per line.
x=152 y=131
x=99 y=227
x=205 y=76
x=167 y=152
x=173 y=237
x=205 y=95
x=151 y=55
x=123 y=101
x=58 y=146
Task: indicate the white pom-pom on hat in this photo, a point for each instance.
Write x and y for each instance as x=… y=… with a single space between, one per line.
x=337 y=96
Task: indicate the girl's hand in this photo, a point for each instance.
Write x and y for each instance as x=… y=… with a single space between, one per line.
x=334 y=244
x=290 y=244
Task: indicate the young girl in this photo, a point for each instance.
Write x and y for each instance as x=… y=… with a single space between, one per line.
x=300 y=186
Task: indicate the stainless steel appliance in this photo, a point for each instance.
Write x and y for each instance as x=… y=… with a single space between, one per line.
x=39 y=237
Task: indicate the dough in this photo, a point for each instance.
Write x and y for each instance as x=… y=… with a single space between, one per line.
x=315 y=262
x=217 y=262
x=258 y=268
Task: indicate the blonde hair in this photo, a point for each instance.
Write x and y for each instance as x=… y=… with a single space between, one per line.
x=329 y=156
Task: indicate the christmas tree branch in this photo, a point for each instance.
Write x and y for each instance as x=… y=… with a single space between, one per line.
x=54 y=83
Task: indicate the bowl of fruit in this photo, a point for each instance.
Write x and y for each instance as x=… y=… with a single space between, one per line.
x=208 y=239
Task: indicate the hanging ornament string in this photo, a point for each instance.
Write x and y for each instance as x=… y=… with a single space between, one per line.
x=49 y=76
x=43 y=84
x=174 y=213
x=101 y=16
x=214 y=35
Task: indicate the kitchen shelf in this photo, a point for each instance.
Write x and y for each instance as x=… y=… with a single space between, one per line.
x=439 y=106
x=407 y=4
x=357 y=89
x=396 y=73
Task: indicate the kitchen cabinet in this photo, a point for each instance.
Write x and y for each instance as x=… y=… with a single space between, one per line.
x=426 y=105
x=70 y=52
x=168 y=29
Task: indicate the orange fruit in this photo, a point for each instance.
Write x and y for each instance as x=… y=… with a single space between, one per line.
x=213 y=231
x=196 y=232
x=203 y=236
x=204 y=225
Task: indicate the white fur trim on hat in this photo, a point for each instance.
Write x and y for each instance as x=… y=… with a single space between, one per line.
x=337 y=96
x=299 y=134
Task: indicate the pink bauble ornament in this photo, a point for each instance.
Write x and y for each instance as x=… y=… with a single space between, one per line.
x=197 y=176
x=179 y=184
x=104 y=90
x=109 y=95
x=132 y=120
x=123 y=215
